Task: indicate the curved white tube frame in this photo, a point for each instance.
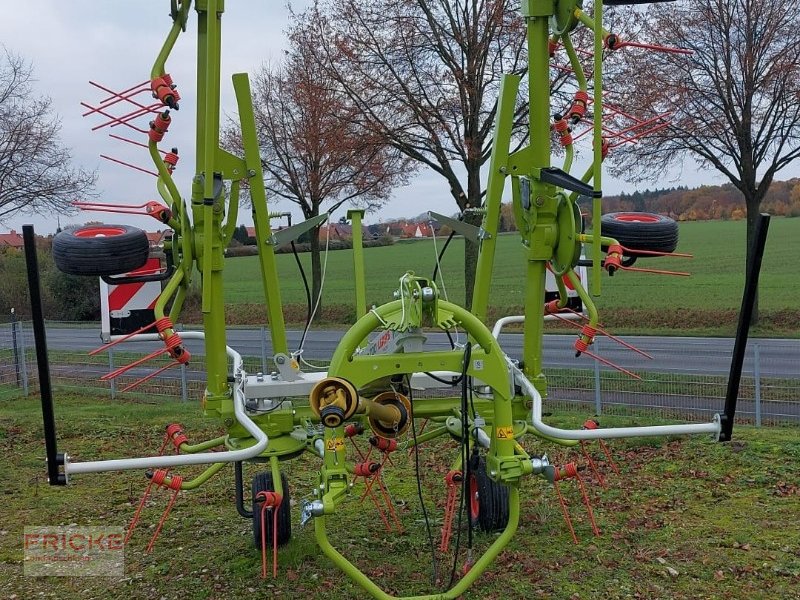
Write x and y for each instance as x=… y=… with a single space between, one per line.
x=204 y=458
x=612 y=432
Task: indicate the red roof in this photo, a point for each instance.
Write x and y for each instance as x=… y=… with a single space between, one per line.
x=12 y=239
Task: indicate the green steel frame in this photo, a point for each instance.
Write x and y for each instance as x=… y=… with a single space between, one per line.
x=547 y=219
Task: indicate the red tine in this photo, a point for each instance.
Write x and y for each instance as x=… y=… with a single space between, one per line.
x=129 y=165
x=111 y=102
x=112 y=120
x=148 y=377
x=135 y=143
x=657 y=271
x=130 y=89
x=610 y=336
x=611 y=364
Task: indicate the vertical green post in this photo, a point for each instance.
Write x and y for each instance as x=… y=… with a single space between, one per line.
x=597 y=207
x=355 y=215
x=208 y=208
x=504 y=122
x=544 y=233
x=258 y=197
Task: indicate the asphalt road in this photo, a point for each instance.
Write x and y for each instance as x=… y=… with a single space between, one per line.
x=706 y=356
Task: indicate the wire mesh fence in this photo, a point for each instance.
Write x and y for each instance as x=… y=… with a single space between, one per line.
x=684 y=381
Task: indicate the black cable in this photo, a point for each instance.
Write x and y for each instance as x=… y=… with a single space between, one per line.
x=450 y=337
x=471 y=398
x=436 y=273
x=308 y=295
x=466 y=481
x=441 y=254
x=435 y=574
x=445 y=381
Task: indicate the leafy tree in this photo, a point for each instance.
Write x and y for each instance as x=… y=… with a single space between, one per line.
x=733 y=103
x=314 y=153
x=424 y=74
x=35 y=171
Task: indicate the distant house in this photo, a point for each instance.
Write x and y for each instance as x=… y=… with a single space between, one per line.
x=11 y=239
x=395 y=229
x=336 y=231
x=416 y=230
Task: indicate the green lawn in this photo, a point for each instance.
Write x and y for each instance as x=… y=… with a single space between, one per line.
x=686 y=518
x=711 y=296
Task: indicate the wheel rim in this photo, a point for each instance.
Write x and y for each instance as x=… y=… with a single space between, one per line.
x=100 y=231
x=474 y=503
x=636 y=218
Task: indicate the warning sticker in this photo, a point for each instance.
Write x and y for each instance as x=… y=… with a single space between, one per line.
x=335 y=444
x=505 y=433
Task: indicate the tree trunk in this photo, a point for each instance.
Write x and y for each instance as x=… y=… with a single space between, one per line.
x=470 y=263
x=474 y=218
x=316 y=270
x=753 y=205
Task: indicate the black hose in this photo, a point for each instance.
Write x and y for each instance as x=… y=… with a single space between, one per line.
x=464 y=461
x=441 y=254
x=435 y=574
x=308 y=295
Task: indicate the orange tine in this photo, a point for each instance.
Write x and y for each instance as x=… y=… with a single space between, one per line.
x=656 y=253
x=123 y=92
x=124 y=139
x=657 y=271
x=611 y=364
x=620 y=341
x=129 y=165
x=148 y=377
x=654 y=47
x=117 y=372
x=116 y=98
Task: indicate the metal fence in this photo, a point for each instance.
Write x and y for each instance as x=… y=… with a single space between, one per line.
x=686 y=382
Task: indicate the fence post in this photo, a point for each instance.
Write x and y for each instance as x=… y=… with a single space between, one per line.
x=110 y=369
x=14 y=345
x=757 y=380
x=184 y=384
x=598 y=405
x=263 y=350
x=23 y=363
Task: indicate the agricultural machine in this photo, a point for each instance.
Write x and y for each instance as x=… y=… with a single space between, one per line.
x=490 y=402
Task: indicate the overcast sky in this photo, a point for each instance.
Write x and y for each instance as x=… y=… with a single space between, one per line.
x=115 y=42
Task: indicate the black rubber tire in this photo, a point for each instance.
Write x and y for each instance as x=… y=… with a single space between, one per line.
x=488 y=498
x=100 y=250
x=263 y=483
x=641 y=231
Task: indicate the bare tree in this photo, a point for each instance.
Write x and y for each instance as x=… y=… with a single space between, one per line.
x=425 y=74
x=733 y=103
x=312 y=150
x=35 y=171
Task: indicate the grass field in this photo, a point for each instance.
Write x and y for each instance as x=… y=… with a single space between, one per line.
x=705 y=302
x=685 y=519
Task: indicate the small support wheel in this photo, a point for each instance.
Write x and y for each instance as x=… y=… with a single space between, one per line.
x=262 y=482
x=487 y=500
x=641 y=231
x=100 y=250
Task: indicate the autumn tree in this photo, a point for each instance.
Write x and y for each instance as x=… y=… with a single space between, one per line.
x=36 y=175
x=425 y=74
x=733 y=103
x=314 y=153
